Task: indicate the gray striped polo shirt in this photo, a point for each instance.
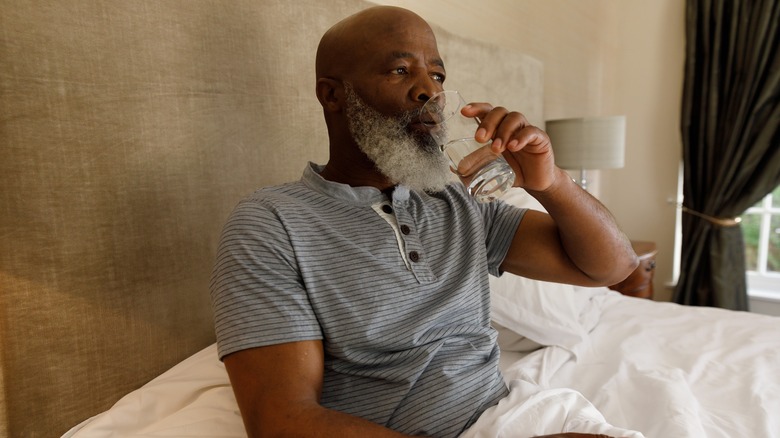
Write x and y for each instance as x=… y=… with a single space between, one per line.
x=395 y=287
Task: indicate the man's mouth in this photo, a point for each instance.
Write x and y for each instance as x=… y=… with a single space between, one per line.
x=429 y=119
x=419 y=128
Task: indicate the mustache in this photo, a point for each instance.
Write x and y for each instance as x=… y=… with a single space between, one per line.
x=405 y=118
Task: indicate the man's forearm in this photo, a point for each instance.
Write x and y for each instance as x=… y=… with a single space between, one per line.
x=314 y=421
x=588 y=232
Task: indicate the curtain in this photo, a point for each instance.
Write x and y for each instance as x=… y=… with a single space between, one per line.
x=731 y=141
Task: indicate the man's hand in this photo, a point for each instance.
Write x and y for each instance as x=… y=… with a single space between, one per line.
x=573 y=435
x=578 y=241
x=526 y=148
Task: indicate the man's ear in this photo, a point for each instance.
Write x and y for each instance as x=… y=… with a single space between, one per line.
x=330 y=93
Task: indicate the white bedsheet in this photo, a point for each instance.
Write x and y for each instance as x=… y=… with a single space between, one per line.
x=661 y=369
x=192 y=399
x=530 y=410
x=670 y=370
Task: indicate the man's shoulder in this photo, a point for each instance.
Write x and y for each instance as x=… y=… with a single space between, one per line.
x=271 y=202
x=292 y=193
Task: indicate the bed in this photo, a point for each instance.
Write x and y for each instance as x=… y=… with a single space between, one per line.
x=129 y=130
x=571 y=355
x=640 y=374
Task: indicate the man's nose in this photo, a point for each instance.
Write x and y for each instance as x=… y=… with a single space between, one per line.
x=425 y=88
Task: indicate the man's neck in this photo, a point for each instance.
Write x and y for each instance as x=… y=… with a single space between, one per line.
x=355 y=176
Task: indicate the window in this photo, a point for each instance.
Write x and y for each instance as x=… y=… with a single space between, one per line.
x=761 y=231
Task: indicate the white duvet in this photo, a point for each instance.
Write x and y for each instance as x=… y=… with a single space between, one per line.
x=676 y=371
x=627 y=365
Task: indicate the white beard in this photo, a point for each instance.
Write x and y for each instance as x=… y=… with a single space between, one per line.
x=410 y=160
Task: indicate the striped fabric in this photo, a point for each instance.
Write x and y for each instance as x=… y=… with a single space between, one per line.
x=400 y=298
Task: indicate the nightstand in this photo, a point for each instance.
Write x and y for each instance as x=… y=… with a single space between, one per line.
x=640 y=282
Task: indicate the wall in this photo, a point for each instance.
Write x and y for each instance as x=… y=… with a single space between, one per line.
x=650 y=66
x=601 y=57
x=768 y=305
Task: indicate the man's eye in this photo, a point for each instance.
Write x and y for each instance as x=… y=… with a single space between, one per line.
x=438 y=77
x=400 y=71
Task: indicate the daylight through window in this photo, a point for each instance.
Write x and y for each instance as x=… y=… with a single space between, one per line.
x=761 y=231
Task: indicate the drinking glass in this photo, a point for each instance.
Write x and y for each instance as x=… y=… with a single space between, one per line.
x=485 y=174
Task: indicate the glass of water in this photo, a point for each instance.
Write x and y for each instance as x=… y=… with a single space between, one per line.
x=485 y=174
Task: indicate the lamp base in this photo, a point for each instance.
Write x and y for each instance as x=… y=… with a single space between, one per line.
x=583 y=180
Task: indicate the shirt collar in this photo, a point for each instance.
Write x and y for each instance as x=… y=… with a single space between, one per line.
x=361 y=196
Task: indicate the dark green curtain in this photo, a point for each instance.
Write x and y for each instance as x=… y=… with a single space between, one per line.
x=731 y=141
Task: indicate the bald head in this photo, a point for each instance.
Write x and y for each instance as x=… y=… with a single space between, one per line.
x=349 y=41
x=387 y=59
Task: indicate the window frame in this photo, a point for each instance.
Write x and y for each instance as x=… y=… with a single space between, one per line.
x=761 y=282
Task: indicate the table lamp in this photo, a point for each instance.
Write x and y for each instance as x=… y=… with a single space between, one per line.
x=585 y=143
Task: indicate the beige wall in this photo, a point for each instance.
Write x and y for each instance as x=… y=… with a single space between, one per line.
x=601 y=57
x=649 y=91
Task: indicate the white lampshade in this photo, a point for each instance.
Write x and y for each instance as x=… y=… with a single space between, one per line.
x=588 y=142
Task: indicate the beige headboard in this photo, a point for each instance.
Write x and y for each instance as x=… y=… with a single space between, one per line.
x=128 y=131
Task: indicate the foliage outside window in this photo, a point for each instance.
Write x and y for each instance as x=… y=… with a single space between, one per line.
x=761 y=231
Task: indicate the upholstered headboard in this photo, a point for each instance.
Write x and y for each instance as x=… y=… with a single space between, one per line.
x=128 y=131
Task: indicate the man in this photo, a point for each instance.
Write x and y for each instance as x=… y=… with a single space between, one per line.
x=355 y=302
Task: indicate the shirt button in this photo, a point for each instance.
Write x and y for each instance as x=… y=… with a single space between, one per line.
x=414 y=256
x=405 y=229
x=387 y=209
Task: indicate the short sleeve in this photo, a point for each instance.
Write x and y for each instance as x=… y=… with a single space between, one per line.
x=501 y=222
x=256 y=289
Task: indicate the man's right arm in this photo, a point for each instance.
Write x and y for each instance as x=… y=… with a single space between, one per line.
x=278 y=390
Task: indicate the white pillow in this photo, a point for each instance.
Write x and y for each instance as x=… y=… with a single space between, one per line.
x=508 y=340
x=546 y=313
x=521 y=199
x=531 y=313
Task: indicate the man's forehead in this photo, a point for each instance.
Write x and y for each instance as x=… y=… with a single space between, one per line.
x=377 y=34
